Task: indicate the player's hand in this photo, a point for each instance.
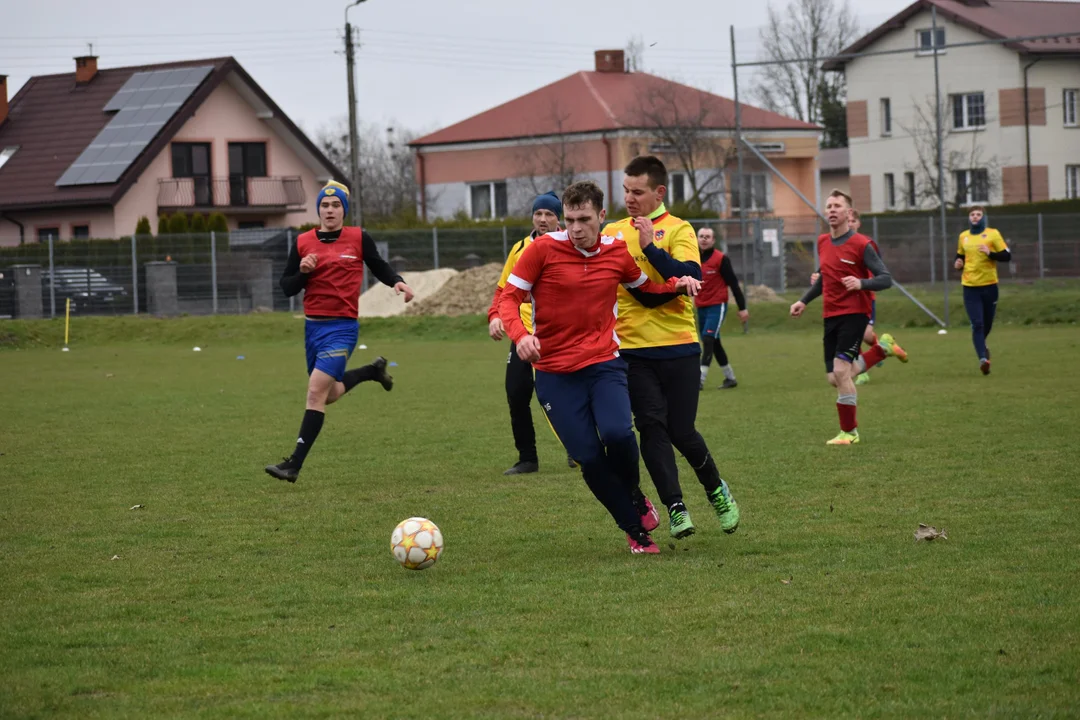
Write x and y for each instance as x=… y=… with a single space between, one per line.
x=688 y=285
x=529 y=349
x=744 y=315
x=495 y=329
x=814 y=278
x=403 y=288
x=308 y=263
x=959 y=264
x=984 y=249
x=797 y=308
x=645 y=231
x=852 y=283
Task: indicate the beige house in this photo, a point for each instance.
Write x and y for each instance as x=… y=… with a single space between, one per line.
x=999 y=146
x=87 y=153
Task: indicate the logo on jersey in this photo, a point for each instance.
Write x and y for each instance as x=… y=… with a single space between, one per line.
x=849 y=262
x=659 y=235
x=349 y=257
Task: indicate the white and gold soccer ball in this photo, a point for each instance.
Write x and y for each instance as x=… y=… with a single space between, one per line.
x=416 y=543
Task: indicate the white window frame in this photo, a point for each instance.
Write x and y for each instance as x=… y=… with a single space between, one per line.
x=1070 y=98
x=1072 y=182
x=969 y=198
x=965 y=111
x=491 y=198
x=921 y=49
x=890 y=191
x=886 y=117
x=7 y=153
x=671 y=187
x=909 y=190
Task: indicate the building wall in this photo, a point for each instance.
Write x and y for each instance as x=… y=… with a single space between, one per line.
x=835 y=181
x=100 y=220
x=908 y=81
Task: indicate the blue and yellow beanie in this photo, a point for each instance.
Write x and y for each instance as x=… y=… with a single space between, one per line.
x=334 y=189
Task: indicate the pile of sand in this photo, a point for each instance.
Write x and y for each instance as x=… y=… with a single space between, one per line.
x=761 y=293
x=381 y=301
x=466 y=293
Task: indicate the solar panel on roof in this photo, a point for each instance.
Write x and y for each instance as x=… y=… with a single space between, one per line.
x=143 y=105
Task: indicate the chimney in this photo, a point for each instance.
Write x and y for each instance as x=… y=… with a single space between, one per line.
x=85 y=69
x=3 y=99
x=610 y=61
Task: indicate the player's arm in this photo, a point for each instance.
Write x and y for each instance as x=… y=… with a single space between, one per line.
x=292 y=280
x=382 y=270
x=684 y=258
x=999 y=251
x=882 y=279
x=518 y=288
x=508 y=267
x=634 y=278
x=814 y=291
x=960 y=257
x=727 y=271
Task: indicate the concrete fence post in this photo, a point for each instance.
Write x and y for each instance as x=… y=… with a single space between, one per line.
x=28 y=298
x=161 y=292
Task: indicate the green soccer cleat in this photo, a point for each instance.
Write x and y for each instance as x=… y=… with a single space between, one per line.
x=862 y=378
x=679 y=518
x=892 y=349
x=727 y=510
x=845 y=438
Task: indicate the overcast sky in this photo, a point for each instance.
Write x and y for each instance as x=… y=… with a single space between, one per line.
x=422 y=64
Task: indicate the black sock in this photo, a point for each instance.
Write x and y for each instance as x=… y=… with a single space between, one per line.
x=309 y=430
x=354 y=377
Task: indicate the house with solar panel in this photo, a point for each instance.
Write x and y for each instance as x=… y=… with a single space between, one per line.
x=87 y=153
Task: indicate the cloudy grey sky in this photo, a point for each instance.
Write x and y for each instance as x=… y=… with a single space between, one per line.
x=422 y=64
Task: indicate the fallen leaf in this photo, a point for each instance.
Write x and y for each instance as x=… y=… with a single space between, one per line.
x=929 y=532
x=788 y=581
x=108 y=375
x=115 y=557
x=137 y=507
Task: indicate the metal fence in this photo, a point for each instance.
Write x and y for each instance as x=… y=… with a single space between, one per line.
x=228 y=273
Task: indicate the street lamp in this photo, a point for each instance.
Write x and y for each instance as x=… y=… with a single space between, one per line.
x=354 y=140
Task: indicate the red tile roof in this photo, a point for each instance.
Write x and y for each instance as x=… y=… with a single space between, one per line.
x=52 y=120
x=993 y=18
x=606 y=101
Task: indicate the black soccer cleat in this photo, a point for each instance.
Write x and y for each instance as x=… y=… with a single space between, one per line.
x=728 y=384
x=523 y=468
x=381 y=376
x=288 y=469
x=571 y=462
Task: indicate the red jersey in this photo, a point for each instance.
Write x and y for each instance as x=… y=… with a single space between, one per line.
x=837 y=263
x=714 y=290
x=333 y=287
x=574 y=298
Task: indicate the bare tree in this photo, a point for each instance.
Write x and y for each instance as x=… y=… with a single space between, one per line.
x=635 y=54
x=387 y=172
x=806 y=33
x=549 y=163
x=961 y=151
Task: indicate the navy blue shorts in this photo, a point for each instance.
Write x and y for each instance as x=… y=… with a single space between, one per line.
x=329 y=343
x=710 y=318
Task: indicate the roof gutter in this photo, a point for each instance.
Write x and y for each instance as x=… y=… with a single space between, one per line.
x=423 y=185
x=1027 y=126
x=607 y=153
x=13 y=221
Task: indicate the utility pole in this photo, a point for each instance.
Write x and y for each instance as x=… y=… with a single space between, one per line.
x=354 y=139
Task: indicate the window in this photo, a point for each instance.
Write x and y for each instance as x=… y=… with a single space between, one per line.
x=251 y=224
x=192 y=160
x=44 y=233
x=246 y=160
x=890 y=190
x=487 y=200
x=80 y=232
x=678 y=188
x=7 y=152
x=886 y=117
x=909 y=189
x=756 y=189
x=1068 y=103
x=922 y=41
x=969 y=111
x=972 y=187
x=1072 y=182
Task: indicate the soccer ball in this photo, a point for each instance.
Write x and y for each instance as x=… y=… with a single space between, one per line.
x=416 y=543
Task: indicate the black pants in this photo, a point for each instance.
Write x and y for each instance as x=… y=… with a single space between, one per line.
x=981 y=305
x=664 y=399
x=519 y=392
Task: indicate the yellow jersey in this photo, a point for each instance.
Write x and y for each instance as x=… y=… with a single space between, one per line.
x=674 y=322
x=979 y=269
x=508 y=267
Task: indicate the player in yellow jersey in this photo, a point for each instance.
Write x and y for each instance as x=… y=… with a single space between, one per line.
x=979 y=251
x=547 y=212
x=658 y=338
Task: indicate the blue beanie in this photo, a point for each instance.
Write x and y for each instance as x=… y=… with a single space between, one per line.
x=334 y=189
x=548 y=201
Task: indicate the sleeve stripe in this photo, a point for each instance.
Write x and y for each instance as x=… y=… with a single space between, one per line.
x=637 y=283
x=519 y=283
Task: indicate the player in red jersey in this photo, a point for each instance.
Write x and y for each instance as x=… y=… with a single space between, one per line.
x=717 y=278
x=850 y=270
x=572 y=278
x=328 y=265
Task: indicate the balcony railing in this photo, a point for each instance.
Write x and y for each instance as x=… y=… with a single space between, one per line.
x=235 y=192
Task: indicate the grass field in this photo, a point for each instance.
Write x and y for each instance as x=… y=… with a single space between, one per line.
x=233 y=595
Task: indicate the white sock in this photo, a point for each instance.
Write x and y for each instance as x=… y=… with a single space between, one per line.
x=859 y=366
x=728 y=372
x=704 y=372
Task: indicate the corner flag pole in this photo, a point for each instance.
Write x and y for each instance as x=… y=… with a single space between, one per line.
x=67 y=322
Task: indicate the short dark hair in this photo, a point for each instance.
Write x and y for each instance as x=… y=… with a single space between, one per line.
x=980 y=208
x=648 y=165
x=842 y=194
x=581 y=193
x=855 y=214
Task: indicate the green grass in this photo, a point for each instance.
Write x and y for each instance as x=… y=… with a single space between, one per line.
x=234 y=595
